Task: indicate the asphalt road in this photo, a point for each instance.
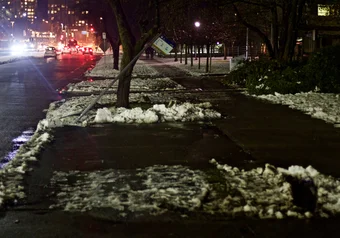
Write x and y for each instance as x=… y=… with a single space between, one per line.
x=26 y=89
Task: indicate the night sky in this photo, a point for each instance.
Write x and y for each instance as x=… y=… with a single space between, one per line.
x=42 y=9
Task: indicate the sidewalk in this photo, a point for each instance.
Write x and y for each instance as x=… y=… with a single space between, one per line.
x=123 y=170
x=272 y=133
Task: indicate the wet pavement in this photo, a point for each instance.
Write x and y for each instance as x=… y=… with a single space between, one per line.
x=129 y=147
x=250 y=134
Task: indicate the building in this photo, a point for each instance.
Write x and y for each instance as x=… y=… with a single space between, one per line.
x=322 y=27
x=20 y=9
x=17 y=17
x=67 y=22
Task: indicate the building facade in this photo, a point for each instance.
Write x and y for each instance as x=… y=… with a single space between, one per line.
x=68 y=20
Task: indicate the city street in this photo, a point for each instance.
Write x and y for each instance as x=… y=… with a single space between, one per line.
x=148 y=180
x=26 y=89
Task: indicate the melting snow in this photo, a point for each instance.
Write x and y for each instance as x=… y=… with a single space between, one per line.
x=262 y=192
x=325 y=106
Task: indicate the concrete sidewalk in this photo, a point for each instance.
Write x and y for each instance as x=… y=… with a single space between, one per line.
x=252 y=133
x=271 y=133
x=279 y=135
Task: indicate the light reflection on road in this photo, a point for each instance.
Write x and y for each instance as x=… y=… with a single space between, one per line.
x=16 y=143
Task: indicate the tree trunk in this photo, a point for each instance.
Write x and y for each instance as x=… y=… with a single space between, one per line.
x=199 y=57
x=129 y=45
x=290 y=31
x=225 y=51
x=176 y=53
x=191 y=56
x=116 y=56
x=186 y=54
x=124 y=90
x=211 y=55
x=181 y=57
x=207 y=63
x=275 y=32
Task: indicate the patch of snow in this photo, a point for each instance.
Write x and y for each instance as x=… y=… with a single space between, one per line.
x=11 y=176
x=157 y=189
x=324 y=106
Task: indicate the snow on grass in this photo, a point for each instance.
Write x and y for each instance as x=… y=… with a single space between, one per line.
x=260 y=193
x=137 y=84
x=219 y=65
x=11 y=175
x=325 y=106
x=104 y=69
x=153 y=189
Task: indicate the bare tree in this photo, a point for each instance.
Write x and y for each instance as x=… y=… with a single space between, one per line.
x=133 y=39
x=275 y=21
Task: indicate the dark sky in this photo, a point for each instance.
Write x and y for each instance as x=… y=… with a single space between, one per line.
x=42 y=9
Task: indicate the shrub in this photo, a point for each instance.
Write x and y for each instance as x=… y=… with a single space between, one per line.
x=269 y=76
x=323 y=69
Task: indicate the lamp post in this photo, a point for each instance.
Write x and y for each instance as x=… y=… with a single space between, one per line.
x=197 y=25
x=87 y=32
x=12 y=22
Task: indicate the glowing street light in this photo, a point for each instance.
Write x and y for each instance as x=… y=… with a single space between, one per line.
x=197 y=25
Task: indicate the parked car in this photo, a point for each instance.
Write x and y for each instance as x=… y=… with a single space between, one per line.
x=50 y=51
x=87 y=50
x=66 y=50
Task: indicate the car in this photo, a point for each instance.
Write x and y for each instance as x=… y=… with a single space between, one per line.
x=50 y=51
x=87 y=50
x=66 y=50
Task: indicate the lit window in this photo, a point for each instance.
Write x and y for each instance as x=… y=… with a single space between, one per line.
x=323 y=10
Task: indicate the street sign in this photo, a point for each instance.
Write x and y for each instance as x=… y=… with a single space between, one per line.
x=104 y=46
x=104 y=35
x=163 y=45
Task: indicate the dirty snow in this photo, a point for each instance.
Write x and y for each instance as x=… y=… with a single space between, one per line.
x=324 y=106
x=261 y=193
x=11 y=175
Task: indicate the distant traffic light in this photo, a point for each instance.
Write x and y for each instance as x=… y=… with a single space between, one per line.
x=91 y=29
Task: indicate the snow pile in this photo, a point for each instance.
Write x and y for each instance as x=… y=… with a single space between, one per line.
x=20 y=56
x=328 y=188
x=158 y=113
x=153 y=189
x=11 y=176
x=66 y=112
x=104 y=69
x=318 y=105
x=266 y=193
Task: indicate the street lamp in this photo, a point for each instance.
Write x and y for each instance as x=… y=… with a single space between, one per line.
x=197 y=25
x=12 y=22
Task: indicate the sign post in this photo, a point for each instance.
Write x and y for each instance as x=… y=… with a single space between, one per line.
x=104 y=38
